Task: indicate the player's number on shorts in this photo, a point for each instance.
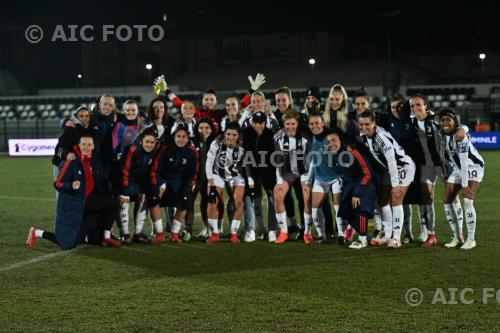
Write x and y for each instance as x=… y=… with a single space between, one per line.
x=402 y=174
x=472 y=174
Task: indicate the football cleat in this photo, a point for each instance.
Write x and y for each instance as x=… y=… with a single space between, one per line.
x=379 y=240
x=186 y=237
x=213 y=239
x=394 y=243
x=321 y=240
x=453 y=243
x=349 y=233
x=203 y=233
x=158 y=238
x=126 y=239
x=293 y=228
x=249 y=236
x=141 y=238
x=431 y=241
x=340 y=240
x=300 y=235
x=283 y=237
x=111 y=242
x=174 y=238
x=233 y=238
x=468 y=245
x=31 y=240
x=358 y=245
x=271 y=236
x=422 y=237
x=308 y=239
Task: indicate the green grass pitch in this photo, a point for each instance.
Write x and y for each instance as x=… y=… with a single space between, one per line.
x=246 y=288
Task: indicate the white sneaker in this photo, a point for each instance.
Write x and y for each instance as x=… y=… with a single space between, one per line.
x=422 y=237
x=358 y=245
x=469 y=244
x=454 y=243
x=186 y=237
x=249 y=236
x=271 y=236
x=394 y=243
x=203 y=233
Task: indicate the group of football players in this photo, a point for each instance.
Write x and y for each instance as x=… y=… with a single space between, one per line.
x=375 y=164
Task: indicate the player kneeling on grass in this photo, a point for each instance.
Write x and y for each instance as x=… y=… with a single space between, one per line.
x=293 y=149
x=84 y=195
x=172 y=176
x=134 y=184
x=224 y=165
x=358 y=187
x=468 y=171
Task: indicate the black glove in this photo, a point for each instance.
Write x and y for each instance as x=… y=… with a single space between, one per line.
x=212 y=195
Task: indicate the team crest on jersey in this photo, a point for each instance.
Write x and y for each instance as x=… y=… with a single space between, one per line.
x=184 y=161
x=462 y=147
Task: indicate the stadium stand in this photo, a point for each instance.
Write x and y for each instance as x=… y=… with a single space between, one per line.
x=38 y=116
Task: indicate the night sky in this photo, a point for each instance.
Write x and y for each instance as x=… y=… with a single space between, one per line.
x=417 y=28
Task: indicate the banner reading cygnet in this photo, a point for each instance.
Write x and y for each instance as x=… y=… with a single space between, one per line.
x=32 y=147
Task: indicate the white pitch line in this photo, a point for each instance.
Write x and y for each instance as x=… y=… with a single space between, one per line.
x=33 y=261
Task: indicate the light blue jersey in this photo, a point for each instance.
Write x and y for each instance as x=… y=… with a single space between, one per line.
x=322 y=161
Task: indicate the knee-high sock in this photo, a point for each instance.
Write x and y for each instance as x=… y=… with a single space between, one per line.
x=377 y=218
x=214 y=225
x=397 y=221
x=124 y=218
x=235 y=225
x=176 y=226
x=407 y=220
x=281 y=218
x=387 y=220
x=430 y=218
x=449 y=212
x=339 y=220
x=317 y=221
x=470 y=218
x=140 y=217
x=307 y=223
x=422 y=218
x=459 y=212
x=158 y=226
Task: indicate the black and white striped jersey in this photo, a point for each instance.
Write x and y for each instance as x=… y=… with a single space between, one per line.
x=224 y=122
x=224 y=161
x=294 y=151
x=387 y=152
x=462 y=155
x=191 y=127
